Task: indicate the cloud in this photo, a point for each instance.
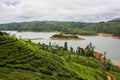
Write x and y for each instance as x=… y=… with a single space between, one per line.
x=67 y=10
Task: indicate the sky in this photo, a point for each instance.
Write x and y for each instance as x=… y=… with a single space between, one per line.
x=58 y=10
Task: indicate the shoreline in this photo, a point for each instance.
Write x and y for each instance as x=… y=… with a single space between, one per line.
x=118 y=37
x=66 y=38
x=108 y=35
x=57 y=32
x=39 y=31
x=118 y=63
x=33 y=38
x=52 y=39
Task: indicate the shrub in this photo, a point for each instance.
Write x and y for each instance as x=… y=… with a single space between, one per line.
x=46 y=71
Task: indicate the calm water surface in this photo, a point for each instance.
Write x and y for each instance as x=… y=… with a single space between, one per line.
x=108 y=44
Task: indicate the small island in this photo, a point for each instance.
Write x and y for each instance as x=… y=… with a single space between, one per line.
x=66 y=37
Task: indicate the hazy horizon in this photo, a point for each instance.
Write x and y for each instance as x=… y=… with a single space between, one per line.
x=58 y=10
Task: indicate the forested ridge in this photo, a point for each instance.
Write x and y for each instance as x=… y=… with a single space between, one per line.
x=112 y=27
x=82 y=28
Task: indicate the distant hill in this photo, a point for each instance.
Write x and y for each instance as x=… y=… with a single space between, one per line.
x=116 y=19
x=111 y=27
x=48 y=26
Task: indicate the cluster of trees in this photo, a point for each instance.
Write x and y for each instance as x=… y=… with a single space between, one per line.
x=105 y=64
x=4 y=34
x=111 y=27
x=63 y=50
x=65 y=36
x=66 y=27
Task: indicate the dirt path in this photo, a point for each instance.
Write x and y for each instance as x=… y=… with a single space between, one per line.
x=115 y=78
x=109 y=78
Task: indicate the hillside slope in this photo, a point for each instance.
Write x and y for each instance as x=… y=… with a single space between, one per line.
x=46 y=26
x=111 y=27
x=22 y=60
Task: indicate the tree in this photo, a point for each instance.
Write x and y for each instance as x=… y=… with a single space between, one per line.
x=50 y=44
x=43 y=46
x=65 y=46
x=80 y=50
x=55 y=48
x=20 y=37
x=39 y=43
x=29 y=40
x=103 y=64
x=1 y=34
x=71 y=49
x=89 y=49
x=92 y=51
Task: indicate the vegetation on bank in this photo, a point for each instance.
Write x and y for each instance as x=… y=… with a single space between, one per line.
x=65 y=36
x=25 y=60
x=111 y=27
x=3 y=34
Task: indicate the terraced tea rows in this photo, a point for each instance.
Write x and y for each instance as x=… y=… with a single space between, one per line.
x=18 y=54
x=21 y=60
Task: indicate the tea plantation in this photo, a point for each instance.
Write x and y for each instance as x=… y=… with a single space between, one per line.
x=25 y=60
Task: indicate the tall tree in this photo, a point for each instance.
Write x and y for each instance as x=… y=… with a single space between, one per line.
x=71 y=49
x=50 y=44
x=89 y=49
x=65 y=46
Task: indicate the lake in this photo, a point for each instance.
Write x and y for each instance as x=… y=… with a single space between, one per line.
x=108 y=44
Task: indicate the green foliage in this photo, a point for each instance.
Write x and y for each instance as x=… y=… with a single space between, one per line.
x=62 y=36
x=89 y=50
x=20 y=60
x=108 y=27
x=112 y=27
x=46 y=71
x=65 y=46
x=48 y=26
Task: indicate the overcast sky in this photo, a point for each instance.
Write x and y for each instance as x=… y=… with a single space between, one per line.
x=60 y=10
